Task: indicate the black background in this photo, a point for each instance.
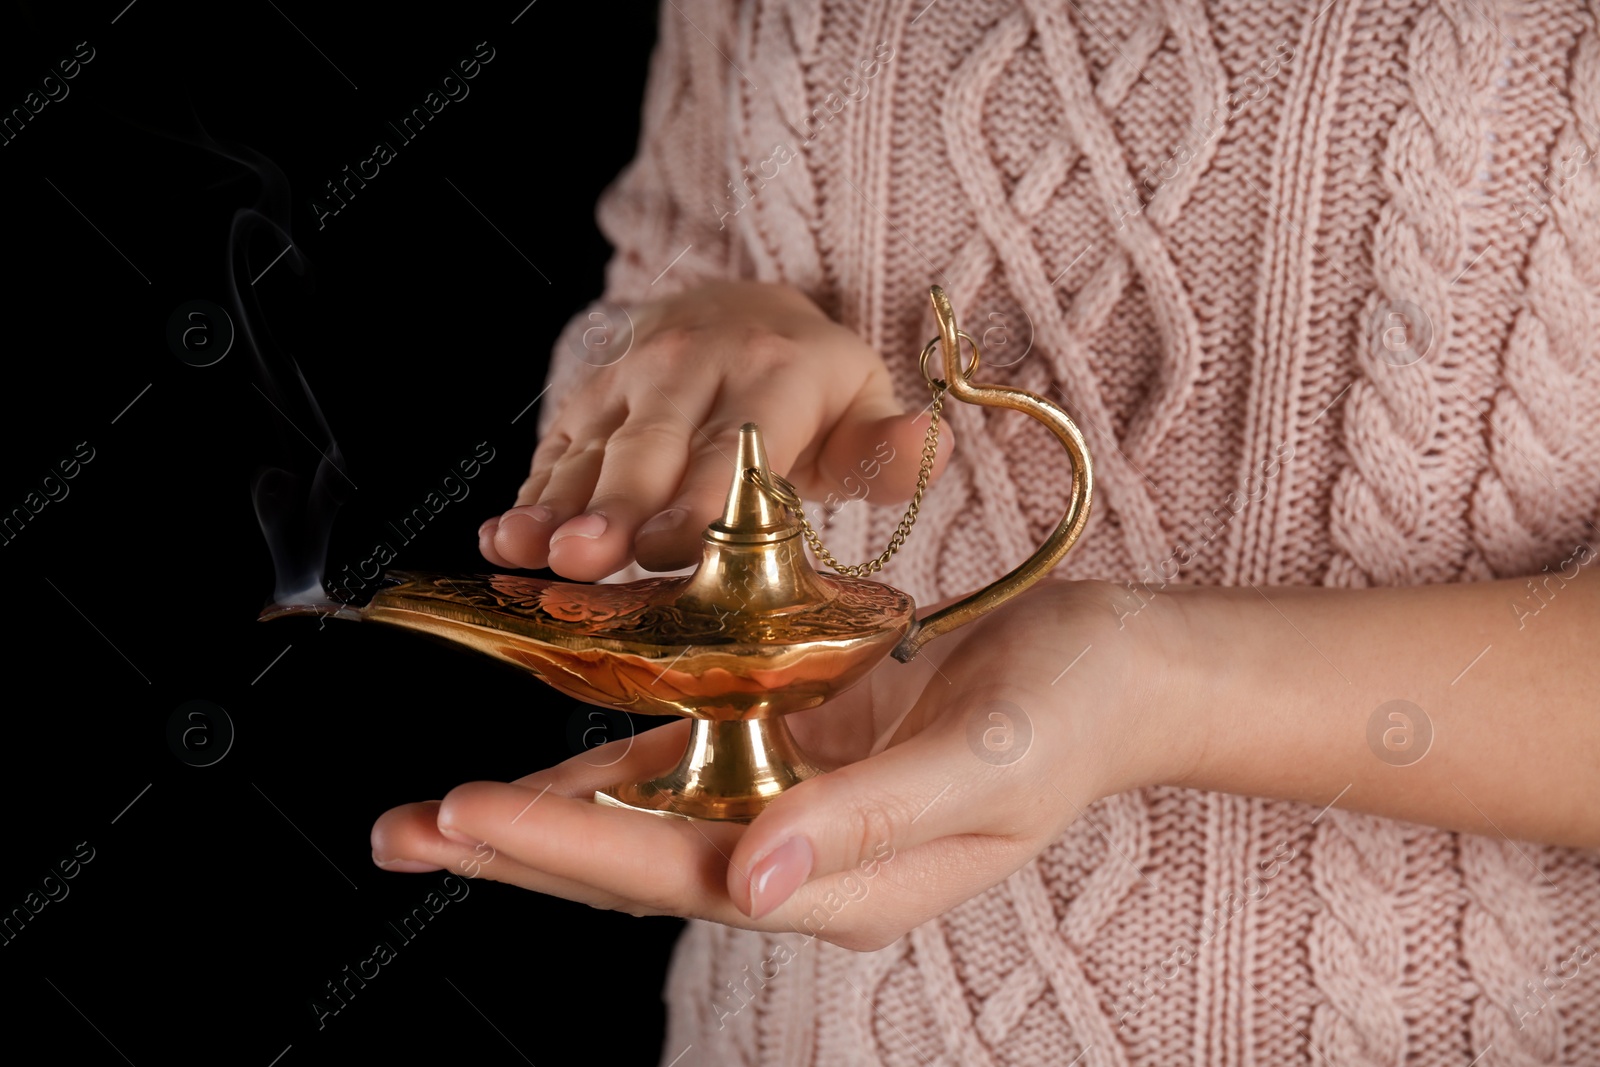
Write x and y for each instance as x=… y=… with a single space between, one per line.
x=221 y=899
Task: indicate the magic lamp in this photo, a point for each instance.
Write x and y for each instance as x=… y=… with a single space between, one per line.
x=754 y=633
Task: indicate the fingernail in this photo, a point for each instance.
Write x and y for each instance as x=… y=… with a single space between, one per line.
x=670 y=519
x=460 y=838
x=775 y=878
x=406 y=866
x=492 y=521
x=591 y=526
x=515 y=522
x=536 y=512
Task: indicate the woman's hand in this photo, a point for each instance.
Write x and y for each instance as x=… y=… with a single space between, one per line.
x=638 y=458
x=999 y=736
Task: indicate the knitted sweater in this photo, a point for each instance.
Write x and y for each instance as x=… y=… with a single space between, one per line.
x=1320 y=282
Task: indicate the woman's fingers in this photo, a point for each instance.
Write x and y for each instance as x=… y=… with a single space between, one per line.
x=907 y=886
x=636 y=469
x=788 y=414
x=406 y=839
x=647 y=486
x=642 y=467
x=409 y=838
x=662 y=864
x=549 y=450
x=560 y=481
x=522 y=536
x=487 y=531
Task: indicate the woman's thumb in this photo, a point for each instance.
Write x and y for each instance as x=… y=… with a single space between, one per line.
x=855 y=816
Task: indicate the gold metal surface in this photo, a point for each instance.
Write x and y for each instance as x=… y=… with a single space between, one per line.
x=728 y=772
x=958 y=383
x=753 y=634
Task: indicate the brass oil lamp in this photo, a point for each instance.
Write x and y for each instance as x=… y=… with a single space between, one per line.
x=754 y=633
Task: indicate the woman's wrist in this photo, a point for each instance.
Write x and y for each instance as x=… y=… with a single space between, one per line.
x=1126 y=679
x=1229 y=682
x=1171 y=647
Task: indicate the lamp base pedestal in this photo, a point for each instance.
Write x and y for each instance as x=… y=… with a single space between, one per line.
x=729 y=773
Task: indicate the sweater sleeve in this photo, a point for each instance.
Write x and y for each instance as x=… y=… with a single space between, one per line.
x=660 y=213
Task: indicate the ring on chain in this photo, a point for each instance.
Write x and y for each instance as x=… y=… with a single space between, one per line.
x=966 y=373
x=776 y=486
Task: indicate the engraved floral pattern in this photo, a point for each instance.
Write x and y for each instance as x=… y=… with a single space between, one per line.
x=646 y=609
x=588 y=603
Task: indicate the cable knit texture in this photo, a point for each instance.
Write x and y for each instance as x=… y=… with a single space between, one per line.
x=1321 y=284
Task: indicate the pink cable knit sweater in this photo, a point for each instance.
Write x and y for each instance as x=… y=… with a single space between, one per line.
x=1360 y=234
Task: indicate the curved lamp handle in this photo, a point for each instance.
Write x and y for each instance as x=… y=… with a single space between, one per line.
x=1067 y=530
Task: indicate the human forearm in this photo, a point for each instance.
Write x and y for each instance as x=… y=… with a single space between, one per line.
x=1286 y=693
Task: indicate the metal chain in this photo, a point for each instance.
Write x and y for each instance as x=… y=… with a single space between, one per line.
x=781 y=491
